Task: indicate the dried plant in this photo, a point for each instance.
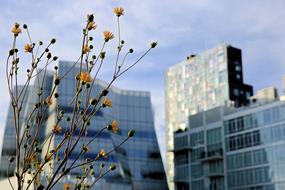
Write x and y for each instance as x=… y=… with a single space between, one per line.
x=38 y=159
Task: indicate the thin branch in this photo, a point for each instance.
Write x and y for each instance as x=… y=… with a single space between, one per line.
x=9 y=176
x=134 y=63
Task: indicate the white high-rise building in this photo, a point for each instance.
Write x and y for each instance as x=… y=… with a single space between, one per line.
x=199 y=83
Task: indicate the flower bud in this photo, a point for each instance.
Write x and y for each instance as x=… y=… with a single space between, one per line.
x=49 y=55
x=153 y=44
x=104 y=92
x=131 y=133
x=102 y=55
x=112 y=167
x=11 y=159
x=11 y=52
x=93 y=101
x=90 y=18
x=57 y=81
x=53 y=41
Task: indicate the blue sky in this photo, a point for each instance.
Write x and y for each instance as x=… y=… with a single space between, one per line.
x=181 y=27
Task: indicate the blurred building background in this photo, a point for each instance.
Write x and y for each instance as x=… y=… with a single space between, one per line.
x=138 y=161
x=224 y=138
x=201 y=82
x=233 y=148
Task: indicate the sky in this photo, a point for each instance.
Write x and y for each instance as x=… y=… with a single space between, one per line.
x=181 y=27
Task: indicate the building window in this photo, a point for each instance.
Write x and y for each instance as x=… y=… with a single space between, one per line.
x=222 y=76
x=247 y=141
x=238 y=76
x=236 y=92
x=232 y=126
x=247 y=94
x=233 y=145
x=240 y=141
x=181 y=158
x=267 y=116
x=240 y=124
x=238 y=68
x=221 y=57
x=243 y=141
x=256 y=138
x=197 y=153
x=197 y=138
x=196 y=170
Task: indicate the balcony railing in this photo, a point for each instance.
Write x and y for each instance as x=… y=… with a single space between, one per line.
x=212 y=158
x=181 y=173
x=182 y=148
x=214 y=174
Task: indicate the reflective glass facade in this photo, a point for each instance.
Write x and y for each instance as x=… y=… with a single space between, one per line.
x=138 y=161
x=255 y=146
x=202 y=82
x=243 y=149
x=204 y=161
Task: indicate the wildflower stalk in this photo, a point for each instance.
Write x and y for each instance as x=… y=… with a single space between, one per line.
x=119 y=46
x=84 y=108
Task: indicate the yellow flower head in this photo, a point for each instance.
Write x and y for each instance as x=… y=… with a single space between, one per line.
x=57 y=129
x=85 y=77
x=67 y=186
x=28 y=48
x=91 y=25
x=102 y=154
x=119 y=11
x=48 y=101
x=108 y=35
x=114 y=126
x=86 y=49
x=107 y=102
x=16 y=29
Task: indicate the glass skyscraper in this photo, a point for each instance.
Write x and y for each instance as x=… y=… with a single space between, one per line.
x=199 y=83
x=138 y=161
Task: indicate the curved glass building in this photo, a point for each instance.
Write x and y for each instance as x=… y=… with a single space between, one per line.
x=138 y=161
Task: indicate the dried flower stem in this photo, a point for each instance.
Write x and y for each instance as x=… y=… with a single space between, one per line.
x=84 y=107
